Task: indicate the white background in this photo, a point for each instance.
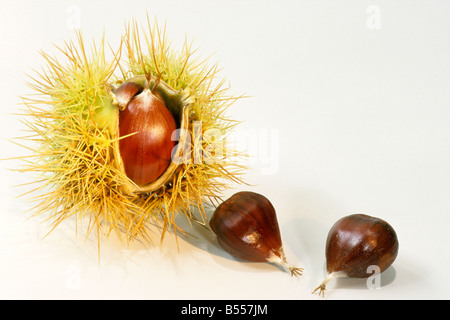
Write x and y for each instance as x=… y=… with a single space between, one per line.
x=351 y=104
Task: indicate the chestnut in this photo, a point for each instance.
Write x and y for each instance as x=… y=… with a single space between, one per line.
x=246 y=227
x=146 y=126
x=357 y=242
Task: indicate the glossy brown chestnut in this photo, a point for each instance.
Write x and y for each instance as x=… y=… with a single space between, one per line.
x=145 y=127
x=357 y=242
x=247 y=228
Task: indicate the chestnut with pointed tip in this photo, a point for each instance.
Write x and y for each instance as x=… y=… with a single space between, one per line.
x=355 y=243
x=146 y=126
x=246 y=227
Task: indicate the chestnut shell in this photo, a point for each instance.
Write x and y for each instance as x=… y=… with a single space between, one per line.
x=358 y=241
x=247 y=228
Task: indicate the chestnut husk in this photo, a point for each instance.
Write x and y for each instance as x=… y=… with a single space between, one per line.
x=246 y=227
x=356 y=242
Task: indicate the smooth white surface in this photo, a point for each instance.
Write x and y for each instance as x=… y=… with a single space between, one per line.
x=350 y=102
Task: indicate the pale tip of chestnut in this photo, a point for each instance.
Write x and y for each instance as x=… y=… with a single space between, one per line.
x=283 y=263
x=323 y=286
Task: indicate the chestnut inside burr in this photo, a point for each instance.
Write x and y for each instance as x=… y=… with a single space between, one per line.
x=145 y=128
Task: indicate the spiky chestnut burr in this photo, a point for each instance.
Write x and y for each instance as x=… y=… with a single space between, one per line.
x=76 y=143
